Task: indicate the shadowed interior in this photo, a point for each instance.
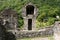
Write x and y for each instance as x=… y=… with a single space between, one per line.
x=29 y=24
x=29 y=10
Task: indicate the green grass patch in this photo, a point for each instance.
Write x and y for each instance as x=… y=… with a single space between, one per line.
x=36 y=38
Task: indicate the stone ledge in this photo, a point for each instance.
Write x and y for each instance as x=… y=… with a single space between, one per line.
x=33 y=33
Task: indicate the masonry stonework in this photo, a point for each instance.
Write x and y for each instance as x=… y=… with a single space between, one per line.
x=10 y=18
x=29 y=12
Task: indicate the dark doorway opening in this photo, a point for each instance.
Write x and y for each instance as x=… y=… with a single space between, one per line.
x=29 y=24
x=29 y=9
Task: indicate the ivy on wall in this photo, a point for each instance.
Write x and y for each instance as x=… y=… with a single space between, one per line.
x=47 y=9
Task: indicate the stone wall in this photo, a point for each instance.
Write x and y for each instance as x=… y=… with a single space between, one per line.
x=56 y=29
x=38 y=33
x=29 y=16
x=10 y=18
x=4 y=34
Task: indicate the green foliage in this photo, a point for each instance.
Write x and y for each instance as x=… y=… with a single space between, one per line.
x=47 y=9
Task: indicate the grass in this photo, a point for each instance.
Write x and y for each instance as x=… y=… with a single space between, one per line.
x=39 y=38
x=25 y=39
x=51 y=38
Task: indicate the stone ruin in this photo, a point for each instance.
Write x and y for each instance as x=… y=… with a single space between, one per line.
x=4 y=34
x=8 y=24
x=29 y=13
x=10 y=17
x=56 y=29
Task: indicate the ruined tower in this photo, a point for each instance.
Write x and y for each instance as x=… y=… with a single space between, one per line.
x=29 y=13
x=10 y=18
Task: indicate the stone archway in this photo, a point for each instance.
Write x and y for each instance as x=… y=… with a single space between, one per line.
x=29 y=10
x=29 y=13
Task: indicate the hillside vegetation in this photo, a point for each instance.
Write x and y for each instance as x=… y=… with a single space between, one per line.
x=47 y=10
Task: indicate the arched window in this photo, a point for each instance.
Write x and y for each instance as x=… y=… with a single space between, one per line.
x=29 y=10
